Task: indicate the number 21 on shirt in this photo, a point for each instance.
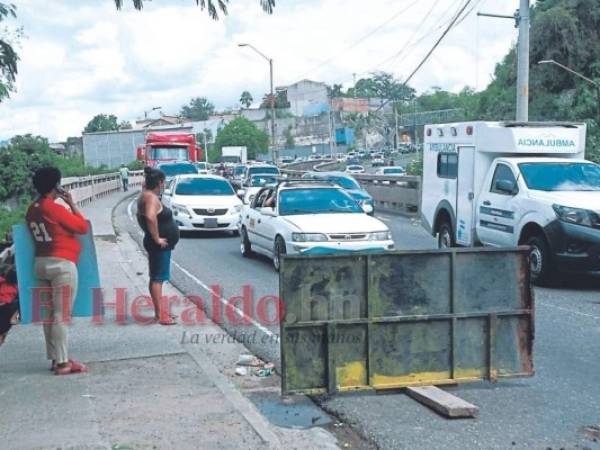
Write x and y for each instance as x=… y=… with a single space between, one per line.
x=40 y=234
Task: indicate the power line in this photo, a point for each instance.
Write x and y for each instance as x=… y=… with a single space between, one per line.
x=361 y=39
x=437 y=43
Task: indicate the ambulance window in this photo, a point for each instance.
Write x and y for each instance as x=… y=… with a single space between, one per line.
x=502 y=173
x=447 y=165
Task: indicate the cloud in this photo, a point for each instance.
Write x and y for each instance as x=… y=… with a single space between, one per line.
x=84 y=58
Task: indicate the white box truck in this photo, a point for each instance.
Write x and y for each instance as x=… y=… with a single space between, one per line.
x=509 y=184
x=234 y=155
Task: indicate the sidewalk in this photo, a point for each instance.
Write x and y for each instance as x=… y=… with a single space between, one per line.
x=145 y=388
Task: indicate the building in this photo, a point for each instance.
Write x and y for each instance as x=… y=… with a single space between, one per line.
x=113 y=148
x=350 y=105
x=161 y=121
x=306 y=97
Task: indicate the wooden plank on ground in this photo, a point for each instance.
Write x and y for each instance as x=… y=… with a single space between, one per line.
x=442 y=402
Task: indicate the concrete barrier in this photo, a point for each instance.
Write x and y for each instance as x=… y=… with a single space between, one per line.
x=393 y=194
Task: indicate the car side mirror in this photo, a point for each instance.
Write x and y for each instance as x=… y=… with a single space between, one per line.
x=268 y=211
x=241 y=193
x=167 y=192
x=506 y=186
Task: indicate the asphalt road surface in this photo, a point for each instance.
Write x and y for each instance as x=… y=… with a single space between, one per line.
x=550 y=410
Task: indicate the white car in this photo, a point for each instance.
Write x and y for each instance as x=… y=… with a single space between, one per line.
x=257 y=182
x=378 y=161
x=203 y=203
x=308 y=217
x=203 y=168
x=355 y=168
x=394 y=171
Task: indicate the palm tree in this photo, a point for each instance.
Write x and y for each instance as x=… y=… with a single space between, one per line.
x=267 y=6
x=8 y=55
x=246 y=99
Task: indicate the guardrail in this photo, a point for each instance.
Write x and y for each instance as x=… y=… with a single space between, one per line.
x=85 y=189
x=394 y=194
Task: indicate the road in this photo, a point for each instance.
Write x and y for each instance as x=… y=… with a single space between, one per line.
x=549 y=410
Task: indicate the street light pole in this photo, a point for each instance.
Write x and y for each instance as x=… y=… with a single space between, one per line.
x=583 y=77
x=271 y=100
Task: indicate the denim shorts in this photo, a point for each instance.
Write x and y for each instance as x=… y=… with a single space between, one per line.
x=160 y=265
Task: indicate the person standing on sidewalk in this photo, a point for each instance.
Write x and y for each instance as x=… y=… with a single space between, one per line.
x=161 y=234
x=124 y=172
x=54 y=229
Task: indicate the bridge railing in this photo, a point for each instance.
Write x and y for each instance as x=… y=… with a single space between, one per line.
x=85 y=189
x=393 y=194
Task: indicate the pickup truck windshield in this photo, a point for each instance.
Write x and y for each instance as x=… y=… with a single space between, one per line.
x=316 y=201
x=203 y=186
x=169 y=153
x=561 y=176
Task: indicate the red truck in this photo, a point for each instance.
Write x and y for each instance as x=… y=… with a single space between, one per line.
x=161 y=147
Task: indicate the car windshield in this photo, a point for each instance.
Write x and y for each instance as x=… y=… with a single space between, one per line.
x=262 y=180
x=201 y=166
x=239 y=170
x=169 y=153
x=261 y=170
x=316 y=201
x=172 y=170
x=561 y=176
x=345 y=182
x=203 y=186
x=354 y=167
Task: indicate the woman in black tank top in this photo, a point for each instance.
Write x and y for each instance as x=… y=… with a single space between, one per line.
x=161 y=234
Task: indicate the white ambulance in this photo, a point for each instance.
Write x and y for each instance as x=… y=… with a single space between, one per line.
x=508 y=184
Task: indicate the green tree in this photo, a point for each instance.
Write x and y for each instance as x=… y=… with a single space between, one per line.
x=8 y=55
x=198 y=109
x=246 y=99
x=281 y=100
x=242 y=132
x=267 y=6
x=125 y=125
x=102 y=122
x=381 y=85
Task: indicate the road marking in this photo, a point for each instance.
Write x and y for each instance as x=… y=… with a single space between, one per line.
x=570 y=311
x=225 y=303
x=130 y=210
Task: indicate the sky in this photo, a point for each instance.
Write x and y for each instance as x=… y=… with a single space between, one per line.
x=80 y=58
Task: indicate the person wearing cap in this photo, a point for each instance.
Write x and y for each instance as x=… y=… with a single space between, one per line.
x=54 y=229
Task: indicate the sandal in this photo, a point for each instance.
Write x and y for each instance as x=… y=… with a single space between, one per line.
x=170 y=321
x=72 y=367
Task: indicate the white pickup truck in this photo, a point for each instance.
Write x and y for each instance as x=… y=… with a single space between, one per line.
x=509 y=184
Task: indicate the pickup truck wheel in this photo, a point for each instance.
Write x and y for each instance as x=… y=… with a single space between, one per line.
x=278 y=251
x=540 y=261
x=245 y=246
x=446 y=236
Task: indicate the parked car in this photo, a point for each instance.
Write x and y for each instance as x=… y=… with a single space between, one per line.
x=203 y=203
x=347 y=183
x=355 y=168
x=172 y=169
x=308 y=218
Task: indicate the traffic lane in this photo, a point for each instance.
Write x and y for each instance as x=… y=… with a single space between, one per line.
x=564 y=356
x=202 y=261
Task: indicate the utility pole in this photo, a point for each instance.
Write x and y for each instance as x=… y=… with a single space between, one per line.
x=396 y=128
x=522 y=22
x=273 y=136
x=271 y=100
x=205 y=148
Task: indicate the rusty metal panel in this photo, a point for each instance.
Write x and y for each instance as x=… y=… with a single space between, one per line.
x=397 y=319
